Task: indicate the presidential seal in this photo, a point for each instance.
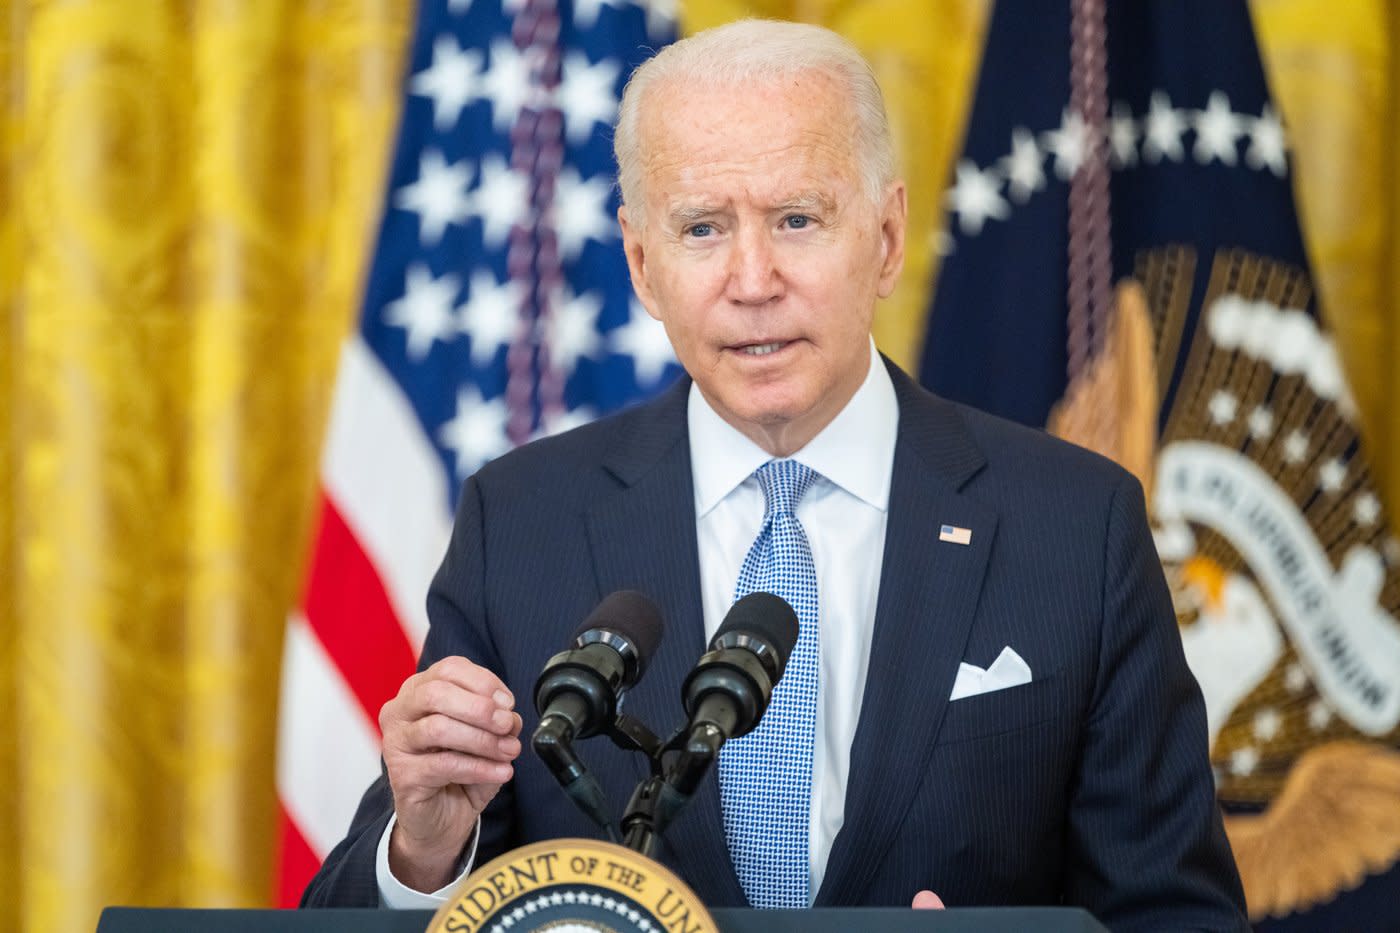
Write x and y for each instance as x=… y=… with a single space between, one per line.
x=572 y=886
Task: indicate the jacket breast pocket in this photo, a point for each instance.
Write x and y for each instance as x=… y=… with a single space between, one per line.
x=1000 y=711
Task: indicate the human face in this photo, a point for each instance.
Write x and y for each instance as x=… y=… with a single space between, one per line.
x=760 y=250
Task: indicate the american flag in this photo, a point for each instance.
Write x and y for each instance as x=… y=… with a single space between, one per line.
x=498 y=309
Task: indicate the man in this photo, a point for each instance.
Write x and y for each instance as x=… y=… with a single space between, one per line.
x=919 y=541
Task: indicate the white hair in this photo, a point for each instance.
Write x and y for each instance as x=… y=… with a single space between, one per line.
x=754 y=50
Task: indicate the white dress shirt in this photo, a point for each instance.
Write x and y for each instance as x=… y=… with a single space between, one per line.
x=844 y=515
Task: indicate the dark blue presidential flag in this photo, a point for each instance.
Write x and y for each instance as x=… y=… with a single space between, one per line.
x=1122 y=262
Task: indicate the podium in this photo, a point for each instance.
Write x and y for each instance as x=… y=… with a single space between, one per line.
x=816 y=920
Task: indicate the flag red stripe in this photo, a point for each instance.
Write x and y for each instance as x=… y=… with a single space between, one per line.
x=297 y=864
x=347 y=607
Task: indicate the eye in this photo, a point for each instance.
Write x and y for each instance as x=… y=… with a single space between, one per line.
x=797 y=221
x=700 y=230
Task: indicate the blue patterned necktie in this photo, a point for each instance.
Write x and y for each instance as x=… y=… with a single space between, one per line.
x=766 y=776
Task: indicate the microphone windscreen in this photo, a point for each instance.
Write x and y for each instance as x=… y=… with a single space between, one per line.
x=764 y=616
x=631 y=615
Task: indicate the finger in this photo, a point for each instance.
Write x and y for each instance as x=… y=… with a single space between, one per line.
x=473 y=677
x=443 y=697
x=443 y=733
x=927 y=900
x=433 y=770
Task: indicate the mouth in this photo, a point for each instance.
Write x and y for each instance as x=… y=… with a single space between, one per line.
x=761 y=349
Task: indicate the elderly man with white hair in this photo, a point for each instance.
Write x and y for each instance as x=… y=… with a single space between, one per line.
x=988 y=697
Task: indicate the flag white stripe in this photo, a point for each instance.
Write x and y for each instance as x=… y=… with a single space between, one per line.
x=327 y=752
x=384 y=476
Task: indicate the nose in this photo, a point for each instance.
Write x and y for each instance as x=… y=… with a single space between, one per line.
x=754 y=277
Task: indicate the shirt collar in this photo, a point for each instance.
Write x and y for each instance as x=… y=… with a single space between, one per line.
x=855 y=451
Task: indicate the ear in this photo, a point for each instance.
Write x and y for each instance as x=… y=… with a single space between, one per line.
x=635 y=251
x=894 y=215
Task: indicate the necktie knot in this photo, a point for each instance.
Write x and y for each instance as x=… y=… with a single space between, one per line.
x=784 y=483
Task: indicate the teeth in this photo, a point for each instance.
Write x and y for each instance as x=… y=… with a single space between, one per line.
x=762 y=349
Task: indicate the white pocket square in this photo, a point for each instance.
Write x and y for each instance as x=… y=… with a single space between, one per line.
x=1008 y=670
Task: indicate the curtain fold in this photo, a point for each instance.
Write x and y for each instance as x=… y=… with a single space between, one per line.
x=189 y=193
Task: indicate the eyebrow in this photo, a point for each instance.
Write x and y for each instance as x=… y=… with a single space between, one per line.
x=694 y=212
x=807 y=201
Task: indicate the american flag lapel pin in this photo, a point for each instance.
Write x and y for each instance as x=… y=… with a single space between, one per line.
x=955 y=535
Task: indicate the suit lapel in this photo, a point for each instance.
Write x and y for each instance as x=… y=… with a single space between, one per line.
x=928 y=595
x=644 y=538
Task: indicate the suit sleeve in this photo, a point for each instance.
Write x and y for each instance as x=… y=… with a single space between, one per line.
x=1147 y=848
x=457 y=626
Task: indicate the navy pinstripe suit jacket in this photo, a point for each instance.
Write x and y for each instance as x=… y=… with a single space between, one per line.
x=1089 y=786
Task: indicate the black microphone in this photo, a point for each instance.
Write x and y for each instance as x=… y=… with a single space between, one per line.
x=577 y=693
x=578 y=690
x=728 y=690
x=730 y=686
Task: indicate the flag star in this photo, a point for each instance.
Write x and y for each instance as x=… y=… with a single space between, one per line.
x=1223 y=407
x=451 y=81
x=596 y=900
x=632 y=916
x=531 y=907
x=1295 y=679
x=1267 y=143
x=581 y=211
x=644 y=339
x=566 y=421
x=586 y=11
x=1267 y=723
x=661 y=17
x=507 y=922
x=1069 y=144
x=1319 y=715
x=556 y=899
x=477 y=433
x=439 y=196
x=975 y=197
x=1217 y=129
x=1295 y=447
x=1261 y=422
x=491 y=316
x=501 y=200
x=586 y=94
x=1332 y=475
x=518 y=913
x=1023 y=167
x=1366 y=509
x=425 y=310
x=509 y=84
x=1244 y=761
x=1123 y=136
x=1162 y=134
x=573 y=329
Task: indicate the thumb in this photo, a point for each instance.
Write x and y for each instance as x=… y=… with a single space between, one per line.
x=927 y=900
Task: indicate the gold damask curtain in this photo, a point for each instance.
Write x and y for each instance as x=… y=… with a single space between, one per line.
x=187 y=195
